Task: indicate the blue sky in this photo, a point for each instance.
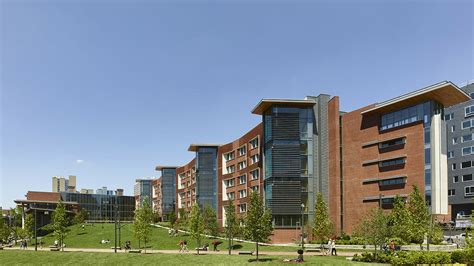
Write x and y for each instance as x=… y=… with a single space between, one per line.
x=126 y=85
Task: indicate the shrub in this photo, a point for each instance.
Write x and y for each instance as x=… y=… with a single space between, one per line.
x=463 y=256
x=364 y=257
x=408 y=258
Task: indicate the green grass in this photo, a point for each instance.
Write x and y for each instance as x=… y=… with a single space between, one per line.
x=93 y=234
x=87 y=258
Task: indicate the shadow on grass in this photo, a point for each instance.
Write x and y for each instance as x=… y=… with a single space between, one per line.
x=261 y=260
x=237 y=246
x=81 y=233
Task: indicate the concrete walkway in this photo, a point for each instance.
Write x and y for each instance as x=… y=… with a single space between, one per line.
x=155 y=251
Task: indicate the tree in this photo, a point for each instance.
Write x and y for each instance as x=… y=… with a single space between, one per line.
x=4 y=230
x=400 y=220
x=183 y=218
x=141 y=223
x=374 y=228
x=258 y=221
x=231 y=223
x=420 y=217
x=323 y=227
x=60 y=222
x=80 y=216
x=196 y=225
x=172 y=219
x=211 y=227
x=29 y=226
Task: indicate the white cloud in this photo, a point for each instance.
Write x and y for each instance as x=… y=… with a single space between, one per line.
x=79 y=161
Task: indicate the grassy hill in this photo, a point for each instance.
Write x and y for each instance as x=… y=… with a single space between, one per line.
x=92 y=235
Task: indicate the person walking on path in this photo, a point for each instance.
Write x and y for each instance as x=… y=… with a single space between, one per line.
x=333 y=247
x=185 y=246
x=329 y=246
x=181 y=246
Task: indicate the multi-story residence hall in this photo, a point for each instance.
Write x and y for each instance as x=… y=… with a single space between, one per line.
x=358 y=160
x=164 y=191
x=460 y=130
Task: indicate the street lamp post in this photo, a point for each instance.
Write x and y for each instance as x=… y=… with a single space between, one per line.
x=36 y=236
x=302 y=226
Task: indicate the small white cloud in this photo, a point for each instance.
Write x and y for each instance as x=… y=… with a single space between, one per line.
x=79 y=161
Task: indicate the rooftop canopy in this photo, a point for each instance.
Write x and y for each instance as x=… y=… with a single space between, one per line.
x=161 y=167
x=445 y=93
x=194 y=147
x=264 y=104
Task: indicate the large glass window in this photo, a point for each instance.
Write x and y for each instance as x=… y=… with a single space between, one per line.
x=469 y=110
x=393 y=162
x=402 y=117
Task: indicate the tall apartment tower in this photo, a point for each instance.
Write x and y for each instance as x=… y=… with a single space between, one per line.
x=143 y=189
x=460 y=130
x=166 y=190
x=296 y=157
x=61 y=184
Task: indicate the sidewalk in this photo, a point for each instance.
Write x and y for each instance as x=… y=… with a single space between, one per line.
x=156 y=251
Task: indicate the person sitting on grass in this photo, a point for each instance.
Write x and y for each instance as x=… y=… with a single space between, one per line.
x=297 y=259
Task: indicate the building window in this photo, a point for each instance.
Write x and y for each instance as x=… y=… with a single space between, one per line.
x=450 y=154
x=229 y=182
x=467 y=164
x=242 y=179
x=231 y=195
x=468 y=124
x=242 y=151
x=229 y=156
x=451 y=192
x=392 y=162
x=242 y=207
x=402 y=117
x=472 y=95
x=254 y=174
x=254 y=143
x=453 y=166
x=242 y=165
x=254 y=189
x=469 y=110
x=469 y=191
x=466 y=178
x=449 y=117
x=455 y=140
x=467 y=138
x=242 y=193
x=467 y=151
x=391 y=143
x=254 y=159
x=396 y=181
x=230 y=169
x=455 y=179
x=453 y=128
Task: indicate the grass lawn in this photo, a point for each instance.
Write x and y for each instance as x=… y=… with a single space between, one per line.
x=10 y=257
x=93 y=234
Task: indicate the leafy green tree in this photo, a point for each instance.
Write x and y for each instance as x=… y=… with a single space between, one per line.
x=211 y=227
x=400 y=220
x=183 y=218
x=258 y=221
x=420 y=217
x=80 y=217
x=29 y=226
x=231 y=223
x=172 y=219
x=323 y=227
x=60 y=222
x=196 y=225
x=374 y=228
x=141 y=223
x=4 y=230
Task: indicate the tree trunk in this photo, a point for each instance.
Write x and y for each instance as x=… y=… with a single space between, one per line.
x=198 y=246
x=230 y=247
x=256 y=248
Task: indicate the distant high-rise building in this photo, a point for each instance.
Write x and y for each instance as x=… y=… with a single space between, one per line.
x=104 y=191
x=61 y=184
x=87 y=191
x=143 y=189
x=119 y=192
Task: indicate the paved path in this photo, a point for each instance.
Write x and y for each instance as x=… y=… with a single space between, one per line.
x=222 y=252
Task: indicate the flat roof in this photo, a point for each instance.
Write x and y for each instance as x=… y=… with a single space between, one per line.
x=264 y=104
x=444 y=92
x=195 y=146
x=161 y=167
x=43 y=201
